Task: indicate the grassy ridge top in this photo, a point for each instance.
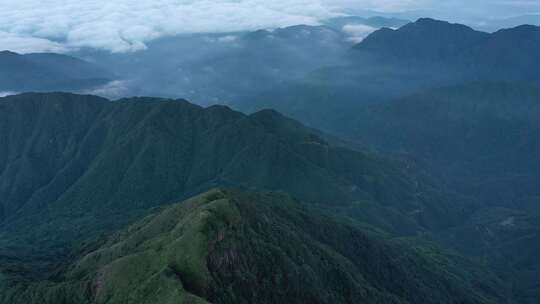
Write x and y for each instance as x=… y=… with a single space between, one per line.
x=228 y=246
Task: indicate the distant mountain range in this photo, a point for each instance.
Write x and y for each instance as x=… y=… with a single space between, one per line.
x=218 y=68
x=497 y=24
x=48 y=72
x=230 y=68
x=391 y=63
x=508 y=54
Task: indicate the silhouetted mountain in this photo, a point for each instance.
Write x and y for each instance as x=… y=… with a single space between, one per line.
x=497 y=24
x=48 y=72
x=424 y=41
x=390 y=64
x=232 y=247
x=440 y=47
x=509 y=54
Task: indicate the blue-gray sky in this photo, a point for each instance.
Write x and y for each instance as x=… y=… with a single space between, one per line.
x=126 y=25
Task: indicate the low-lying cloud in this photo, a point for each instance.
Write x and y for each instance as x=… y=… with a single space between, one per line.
x=127 y=25
x=358 y=32
x=113 y=90
x=26 y=44
x=6 y=93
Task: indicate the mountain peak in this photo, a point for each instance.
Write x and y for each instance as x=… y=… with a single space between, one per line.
x=434 y=25
x=426 y=39
x=8 y=53
x=524 y=29
x=430 y=21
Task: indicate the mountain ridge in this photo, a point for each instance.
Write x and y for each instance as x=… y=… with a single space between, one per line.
x=48 y=72
x=94 y=165
x=212 y=247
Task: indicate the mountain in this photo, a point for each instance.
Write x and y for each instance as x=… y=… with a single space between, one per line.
x=482 y=139
x=475 y=134
x=437 y=46
x=48 y=72
x=497 y=24
x=73 y=167
x=426 y=40
x=390 y=64
x=242 y=247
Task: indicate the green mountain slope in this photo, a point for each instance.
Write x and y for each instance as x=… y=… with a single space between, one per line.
x=74 y=167
x=478 y=135
x=233 y=247
x=483 y=140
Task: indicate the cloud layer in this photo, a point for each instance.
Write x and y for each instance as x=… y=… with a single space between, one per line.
x=127 y=25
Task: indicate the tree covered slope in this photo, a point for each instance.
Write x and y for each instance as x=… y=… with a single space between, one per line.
x=242 y=247
x=73 y=167
x=482 y=139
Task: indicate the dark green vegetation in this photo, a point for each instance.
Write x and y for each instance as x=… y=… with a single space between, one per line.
x=73 y=167
x=233 y=247
x=48 y=72
x=459 y=104
x=482 y=139
x=478 y=136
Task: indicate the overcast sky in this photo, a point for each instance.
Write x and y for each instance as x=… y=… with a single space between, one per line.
x=126 y=25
